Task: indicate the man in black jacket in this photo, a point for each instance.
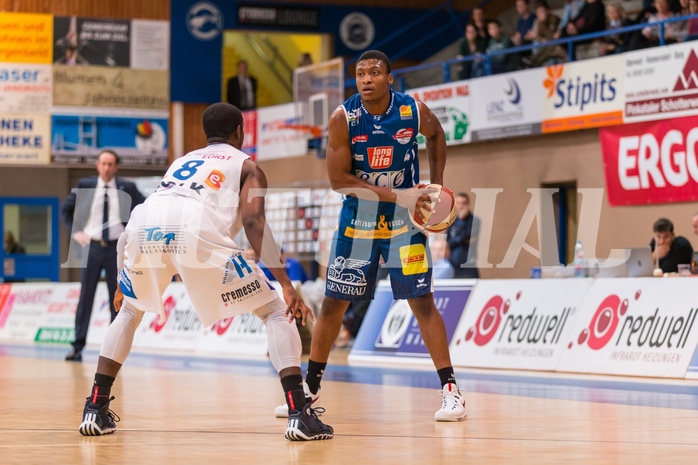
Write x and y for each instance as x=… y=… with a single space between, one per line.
x=242 y=89
x=95 y=213
x=461 y=235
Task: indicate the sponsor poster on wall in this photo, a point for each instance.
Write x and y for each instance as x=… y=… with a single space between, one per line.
x=25 y=88
x=630 y=327
x=651 y=162
x=91 y=41
x=26 y=38
x=139 y=140
x=661 y=82
x=450 y=103
x=578 y=95
x=390 y=330
x=274 y=139
x=150 y=44
x=518 y=323
x=25 y=138
x=508 y=105
x=100 y=86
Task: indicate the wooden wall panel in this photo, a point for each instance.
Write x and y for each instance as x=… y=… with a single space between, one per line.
x=193 y=133
x=118 y=9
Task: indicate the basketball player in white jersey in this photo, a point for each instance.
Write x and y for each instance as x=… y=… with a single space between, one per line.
x=186 y=227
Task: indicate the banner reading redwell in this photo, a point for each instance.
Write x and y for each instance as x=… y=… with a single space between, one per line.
x=518 y=323
x=652 y=162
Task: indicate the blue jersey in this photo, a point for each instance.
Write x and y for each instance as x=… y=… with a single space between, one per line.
x=384 y=147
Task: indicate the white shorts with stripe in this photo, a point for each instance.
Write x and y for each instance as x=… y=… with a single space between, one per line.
x=170 y=235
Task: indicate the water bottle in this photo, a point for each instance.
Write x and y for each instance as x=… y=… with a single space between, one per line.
x=579 y=260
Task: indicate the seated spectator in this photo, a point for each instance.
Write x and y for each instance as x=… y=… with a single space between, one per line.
x=649 y=36
x=669 y=250
x=472 y=45
x=441 y=267
x=477 y=19
x=12 y=246
x=694 y=220
x=692 y=31
x=615 y=43
x=543 y=31
x=569 y=12
x=502 y=63
x=524 y=24
x=591 y=18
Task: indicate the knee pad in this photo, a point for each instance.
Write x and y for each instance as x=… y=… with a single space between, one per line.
x=283 y=340
x=119 y=338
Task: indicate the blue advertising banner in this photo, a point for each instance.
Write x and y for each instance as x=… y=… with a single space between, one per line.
x=391 y=330
x=137 y=140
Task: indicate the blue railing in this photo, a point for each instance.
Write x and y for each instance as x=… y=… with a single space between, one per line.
x=568 y=42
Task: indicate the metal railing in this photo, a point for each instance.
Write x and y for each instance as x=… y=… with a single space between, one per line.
x=569 y=42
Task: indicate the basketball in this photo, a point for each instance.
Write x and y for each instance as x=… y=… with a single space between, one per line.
x=442 y=214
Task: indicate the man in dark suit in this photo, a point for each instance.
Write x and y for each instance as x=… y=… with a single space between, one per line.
x=96 y=213
x=242 y=89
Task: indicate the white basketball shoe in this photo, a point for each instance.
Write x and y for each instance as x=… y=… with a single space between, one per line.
x=282 y=410
x=453 y=406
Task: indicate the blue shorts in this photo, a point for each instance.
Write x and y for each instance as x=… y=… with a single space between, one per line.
x=364 y=236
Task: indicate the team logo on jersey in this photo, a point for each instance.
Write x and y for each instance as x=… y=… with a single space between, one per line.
x=404 y=136
x=405 y=112
x=353 y=116
x=214 y=180
x=380 y=157
x=378 y=129
x=346 y=276
x=383 y=178
x=359 y=138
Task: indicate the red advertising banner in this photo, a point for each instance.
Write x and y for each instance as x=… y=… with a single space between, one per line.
x=652 y=162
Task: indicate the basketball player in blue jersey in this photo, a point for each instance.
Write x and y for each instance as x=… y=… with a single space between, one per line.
x=372 y=160
x=187 y=227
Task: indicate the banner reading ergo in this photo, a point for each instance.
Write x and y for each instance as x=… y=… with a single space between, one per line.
x=652 y=162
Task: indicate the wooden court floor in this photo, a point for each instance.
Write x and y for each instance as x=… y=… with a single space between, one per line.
x=206 y=411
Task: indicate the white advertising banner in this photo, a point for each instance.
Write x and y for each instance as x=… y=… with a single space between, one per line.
x=638 y=327
x=451 y=104
x=581 y=95
x=23 y=310
x=508 y=105
x=150 y=44
x=25 y=88
x=181 y=331
x=661 y=82
x=518 y=324
x=58 y=322
x=25 y=138
x=274 y=138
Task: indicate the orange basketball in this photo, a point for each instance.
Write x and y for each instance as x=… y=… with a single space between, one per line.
x=442 y=214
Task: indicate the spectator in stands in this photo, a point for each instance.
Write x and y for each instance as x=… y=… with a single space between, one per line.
x=692 y=33
x=615 y=43
x=501 y=63
x=12 y=246
x=306 y=59
x=591 y=18
x=441 y=267
x=649 y=36
x=472 y=45
x=524 y=24
x=668 y=250
x=460 y=236
x=242 y=89
x=477 y=19
x=681 y=27
x=543 y=31
x=569 y=12
x=694 y=220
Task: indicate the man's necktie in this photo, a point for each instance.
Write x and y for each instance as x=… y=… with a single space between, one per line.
x=105 y=215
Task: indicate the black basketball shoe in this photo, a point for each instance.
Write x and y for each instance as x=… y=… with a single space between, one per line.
x=304 y=425
x=98 y=419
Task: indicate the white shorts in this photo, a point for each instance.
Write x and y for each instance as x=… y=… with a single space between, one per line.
x=173 y=235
